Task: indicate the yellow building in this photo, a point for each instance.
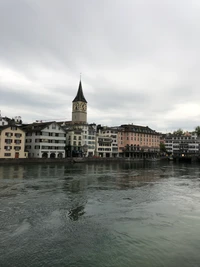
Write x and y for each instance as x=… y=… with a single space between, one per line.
x=12 y=142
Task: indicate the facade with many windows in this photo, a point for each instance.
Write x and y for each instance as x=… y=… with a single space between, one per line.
x=80 y=139
x=107 y=142
x=45 y=140
x=186 y=144
x=12 y=142
x=138 y=141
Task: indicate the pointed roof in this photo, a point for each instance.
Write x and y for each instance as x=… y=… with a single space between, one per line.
x=80 y=95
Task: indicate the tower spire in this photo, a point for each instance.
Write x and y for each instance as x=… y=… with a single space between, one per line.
x=80 y=95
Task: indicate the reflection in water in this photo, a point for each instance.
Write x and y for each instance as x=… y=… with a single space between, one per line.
x=122 y=214
x=13 y=172
x=74 y=214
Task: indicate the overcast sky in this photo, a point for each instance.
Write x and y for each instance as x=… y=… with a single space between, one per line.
x=139 y=59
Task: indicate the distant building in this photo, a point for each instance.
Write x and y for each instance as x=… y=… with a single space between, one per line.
x=80 y=136
x=182 y=144
x=12 y=142
x=80 y=139
x=45 y=140
x=79 y=107
x=4 y=120
x=138 y=141
x=107 y=142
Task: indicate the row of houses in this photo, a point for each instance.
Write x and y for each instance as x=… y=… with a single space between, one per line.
x=182 y=145
x=64 y=139
x=75 y=138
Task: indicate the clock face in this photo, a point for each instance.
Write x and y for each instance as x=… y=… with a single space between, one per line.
x=80 y=106
x=76 y=106
x=84 y=107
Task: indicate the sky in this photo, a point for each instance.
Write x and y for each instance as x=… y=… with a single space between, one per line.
x=139 y=61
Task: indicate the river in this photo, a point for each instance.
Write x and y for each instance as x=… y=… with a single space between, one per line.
x=100 y=215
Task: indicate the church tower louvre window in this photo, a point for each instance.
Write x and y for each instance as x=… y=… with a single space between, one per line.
x=79 y=107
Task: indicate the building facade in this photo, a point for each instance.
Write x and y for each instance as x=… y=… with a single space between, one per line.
x=107 y=142
x=138 y=141
x=182 y=145
x=80 y=139
x=45 y=140
x=12 y=142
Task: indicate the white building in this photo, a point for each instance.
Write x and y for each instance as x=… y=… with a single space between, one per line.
x=182 y=144
x=4 y=120
x=107 y=142
x=80 y=139
x=45 y=140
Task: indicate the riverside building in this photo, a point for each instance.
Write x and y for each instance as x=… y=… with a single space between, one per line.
x=136 y=141
x=182 y=145
x=107 y=142
x=45 y=140
x=12 y=142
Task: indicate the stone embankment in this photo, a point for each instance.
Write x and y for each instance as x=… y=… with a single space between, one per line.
x=66 y=160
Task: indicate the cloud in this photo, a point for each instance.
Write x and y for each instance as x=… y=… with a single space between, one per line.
x=139 y=60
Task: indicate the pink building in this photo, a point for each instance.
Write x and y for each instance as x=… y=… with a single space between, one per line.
x=133 y=139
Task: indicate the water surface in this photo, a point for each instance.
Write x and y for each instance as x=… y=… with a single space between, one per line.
x=100 y=215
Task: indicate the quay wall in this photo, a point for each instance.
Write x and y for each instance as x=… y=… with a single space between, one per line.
x=67 y=160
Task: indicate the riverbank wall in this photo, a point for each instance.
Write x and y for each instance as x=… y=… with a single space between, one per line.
x=67 y=160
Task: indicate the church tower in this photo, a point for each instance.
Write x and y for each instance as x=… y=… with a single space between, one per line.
x=79 y=107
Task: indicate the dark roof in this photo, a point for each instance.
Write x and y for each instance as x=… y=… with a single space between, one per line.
x=80 y=96
x=138 y=128
x=38 y=126
x=6 y=119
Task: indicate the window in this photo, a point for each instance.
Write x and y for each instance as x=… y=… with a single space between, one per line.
x=13 y=128
x=8 y=141
x=18 y=135
x=7 y=147
x=7 y=154
x=8 y=134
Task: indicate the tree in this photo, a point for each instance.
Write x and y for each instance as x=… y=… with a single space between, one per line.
x=162 y=147
x=178 y=132
x=197 y=130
